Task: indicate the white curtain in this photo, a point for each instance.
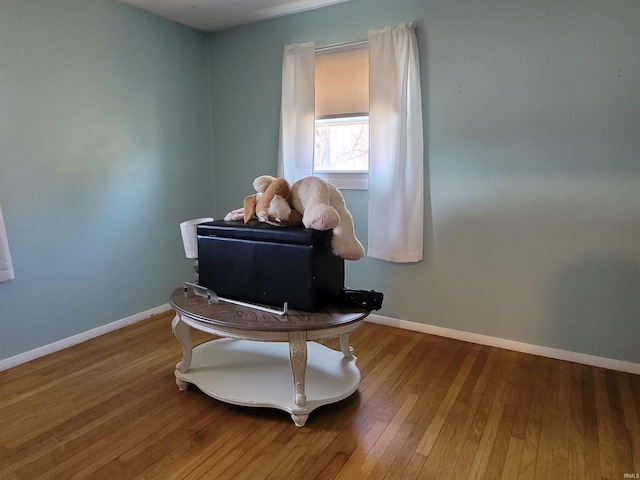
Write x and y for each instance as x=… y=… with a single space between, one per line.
x=6 y=267
x=297 y=113
x=396 y=198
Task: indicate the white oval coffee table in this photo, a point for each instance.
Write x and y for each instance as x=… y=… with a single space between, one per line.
x=264 y=359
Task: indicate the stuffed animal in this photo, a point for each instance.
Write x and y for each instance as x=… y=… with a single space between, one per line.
x=269 y=204
x=323 y=208
x=311 y=201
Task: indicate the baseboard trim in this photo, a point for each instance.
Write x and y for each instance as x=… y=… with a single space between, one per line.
x=592 y=360
x=79 y=338
x=557 y=354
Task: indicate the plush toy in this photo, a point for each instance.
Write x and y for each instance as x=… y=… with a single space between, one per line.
x=311 y=201
x=269 y=204
x=323 y=208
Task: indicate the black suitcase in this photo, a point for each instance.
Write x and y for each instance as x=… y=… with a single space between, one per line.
x=260 y=263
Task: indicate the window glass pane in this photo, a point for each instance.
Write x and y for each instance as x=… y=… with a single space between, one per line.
x=342 y=145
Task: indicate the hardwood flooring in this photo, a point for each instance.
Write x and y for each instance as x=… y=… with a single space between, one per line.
x=427 y=408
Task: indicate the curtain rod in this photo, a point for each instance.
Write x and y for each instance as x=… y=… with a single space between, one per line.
x=349 y=45
x=341 y=46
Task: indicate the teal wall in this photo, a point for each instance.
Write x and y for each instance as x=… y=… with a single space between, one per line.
x=105 y=148
x=532 y=141
x=532 y=114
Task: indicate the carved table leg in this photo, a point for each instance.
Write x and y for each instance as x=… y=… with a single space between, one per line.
x=182 y=331
x=298 y=359
x=347 y=351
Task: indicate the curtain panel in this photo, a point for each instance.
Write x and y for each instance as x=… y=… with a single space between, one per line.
x=6 y=267
x=396 y=157
x=297 y=112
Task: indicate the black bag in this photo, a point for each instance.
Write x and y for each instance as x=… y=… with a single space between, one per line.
x=369 y=299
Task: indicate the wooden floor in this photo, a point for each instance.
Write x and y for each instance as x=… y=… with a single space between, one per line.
x=427 y=408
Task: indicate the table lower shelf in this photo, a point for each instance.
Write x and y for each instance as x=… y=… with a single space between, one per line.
x=259 y=374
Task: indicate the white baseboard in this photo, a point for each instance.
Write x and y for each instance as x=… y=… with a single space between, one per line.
x=79 y=338
x=582 y=358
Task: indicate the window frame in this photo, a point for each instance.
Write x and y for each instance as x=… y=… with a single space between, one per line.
x=344 y=179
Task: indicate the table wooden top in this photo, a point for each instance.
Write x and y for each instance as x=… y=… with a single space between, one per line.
x=227 y=315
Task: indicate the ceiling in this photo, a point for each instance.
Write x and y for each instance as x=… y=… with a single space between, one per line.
x=208 y=15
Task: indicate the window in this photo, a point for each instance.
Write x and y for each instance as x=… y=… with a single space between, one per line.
x=341 y=147
x=395 y=180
